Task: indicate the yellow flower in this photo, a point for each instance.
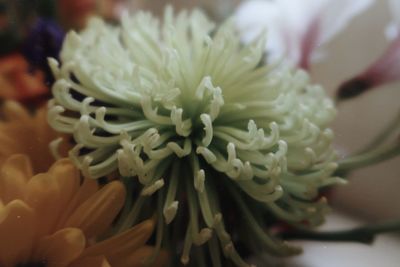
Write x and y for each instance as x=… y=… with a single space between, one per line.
x=52 y=220
x=23 y=133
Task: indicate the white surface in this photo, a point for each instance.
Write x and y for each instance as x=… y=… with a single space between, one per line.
x=383 y=253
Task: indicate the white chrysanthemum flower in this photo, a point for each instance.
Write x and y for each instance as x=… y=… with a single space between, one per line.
x=202 y=123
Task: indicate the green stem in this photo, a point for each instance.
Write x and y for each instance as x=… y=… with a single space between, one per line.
x=372 y=157
x=382 y=136
x=131 y=218
x=364 y=234
x=160 y=230
x=214 y=251
x=261 y=237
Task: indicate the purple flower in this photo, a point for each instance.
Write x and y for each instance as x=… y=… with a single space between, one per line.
x=44 y=40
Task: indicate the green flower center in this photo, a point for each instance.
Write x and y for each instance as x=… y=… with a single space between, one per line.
x=191 y=115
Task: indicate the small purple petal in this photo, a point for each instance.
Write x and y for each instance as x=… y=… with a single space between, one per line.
x=44 y=40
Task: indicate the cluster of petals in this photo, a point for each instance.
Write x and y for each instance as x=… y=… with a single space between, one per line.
x=24 y=133
x=52 y=219
x=180 y=105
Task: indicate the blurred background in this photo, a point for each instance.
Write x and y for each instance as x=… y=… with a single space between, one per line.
x=31 y=30
x=373 y=192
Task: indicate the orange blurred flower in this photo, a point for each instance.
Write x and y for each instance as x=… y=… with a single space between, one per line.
x=75 y=13
x=17 y=82
x=52 y=220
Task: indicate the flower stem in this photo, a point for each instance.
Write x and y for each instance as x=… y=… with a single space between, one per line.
x=131 y=217
x=364 y=234
x=368 y=158
x=384 y=135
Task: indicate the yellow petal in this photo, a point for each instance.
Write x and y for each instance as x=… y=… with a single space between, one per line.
x=44 y=135
x=87 y=190
x=15 y=173
x=17 y=226
x=8 y=146
x=123 y=243
x=100 y=261
x=16 y=138
x=67 y=177
x=96 y=214
x=43 y=195
x=138 y=258
x=22 y=132
x=61 y=248
x=14 y=111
